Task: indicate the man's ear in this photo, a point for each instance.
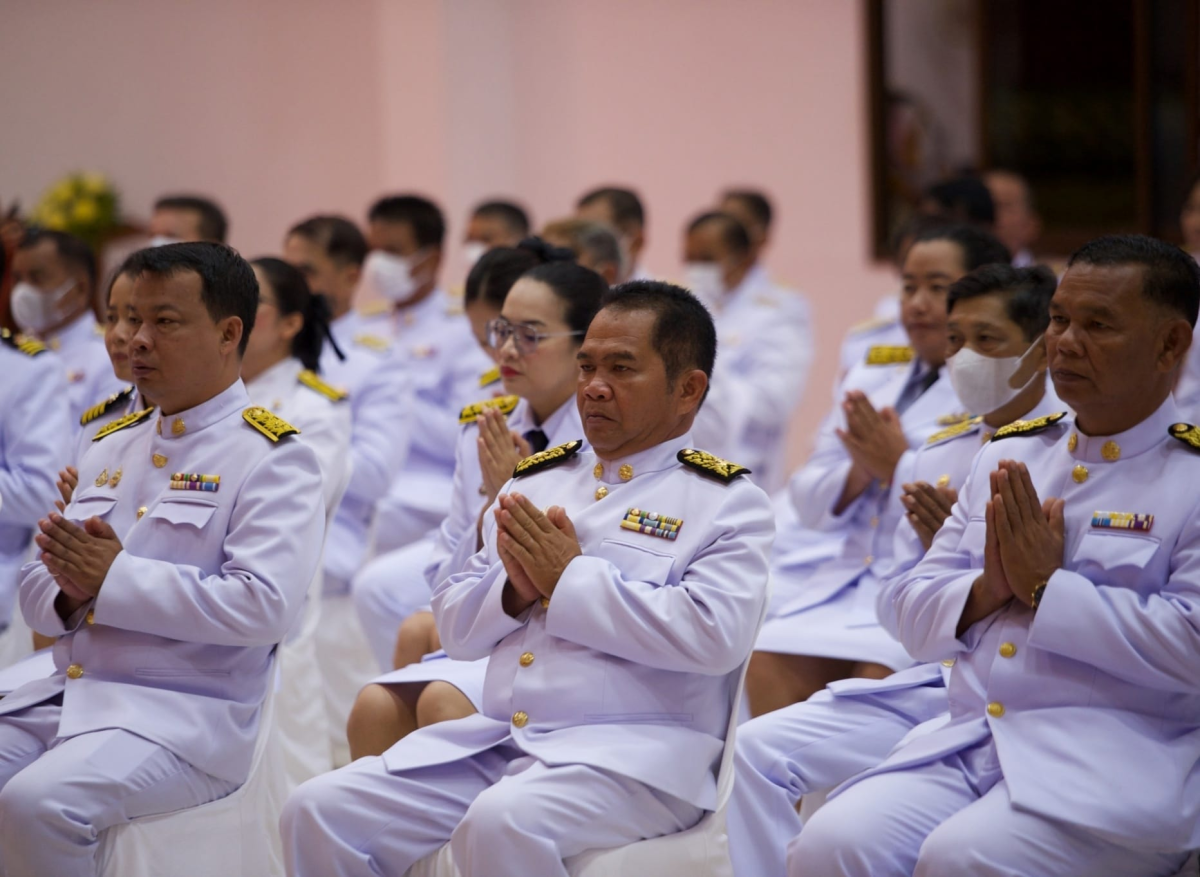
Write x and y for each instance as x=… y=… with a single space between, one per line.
x=1174 y=343
x=692 y=385
x=231 y=334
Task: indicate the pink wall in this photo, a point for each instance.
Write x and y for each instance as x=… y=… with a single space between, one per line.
x=283 y=107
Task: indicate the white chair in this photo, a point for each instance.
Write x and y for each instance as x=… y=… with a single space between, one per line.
x=700 y=851
x=235 y=836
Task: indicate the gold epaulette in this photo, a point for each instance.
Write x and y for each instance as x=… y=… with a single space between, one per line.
x=953 y=419
x=489 y=377
x=98 y=411
x=374 y=308
x=506 y=404
x=268 y=424
x=1186 y=433
x=1028 y=427
x=547 y=458
x=707 y=464
x=957 y=429
x=122 y=422
x=884 y=355
x=25 y=344
x=372 y=342
x=312 y=380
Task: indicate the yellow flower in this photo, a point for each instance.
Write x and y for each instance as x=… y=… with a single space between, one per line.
x=85 y=211
x=62 y=191
x=56 y=220
x=94 y=183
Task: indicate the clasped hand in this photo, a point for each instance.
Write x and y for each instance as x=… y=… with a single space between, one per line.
x=874 y=439
x=535 y=547
x=78 y=558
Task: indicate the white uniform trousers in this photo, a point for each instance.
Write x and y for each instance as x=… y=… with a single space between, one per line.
x=388 y=589
x=503 y=812
x=954 y=817
x=58 y=796
x=810 y=747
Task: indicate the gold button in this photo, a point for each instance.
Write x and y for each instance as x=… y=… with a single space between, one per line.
x=159 y=461
x=1072 y=442
x=90 y=618
x=995 y=709
x=868 y=560
x=601 y=492
x=598 y=470
x=74 y=671
x=875 y=521
x=944 y=481
x=520 y=719
x=526 y=659
x=949 y=662
x=1111 y=452
x=545 y=602
x=141 y=512
x=1079 y=474
x=1007 y=650
x=625 y=472
x=178 y=427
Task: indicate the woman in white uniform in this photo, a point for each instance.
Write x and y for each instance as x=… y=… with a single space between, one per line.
x=535 y=339
x=279 y=369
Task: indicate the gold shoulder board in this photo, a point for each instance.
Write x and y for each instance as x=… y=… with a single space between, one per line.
x=372 y=342
x=99 y=410
x=957 y=429
x=489 y=377
x=714 y=467
x=547 y=458
x=313 y=381
x=506 y=404
x=28 y=346
x=883 y=355
x=953 y=419
x=268 y=424
x=122 y=422
x=1028 y=427
x=1186 y=433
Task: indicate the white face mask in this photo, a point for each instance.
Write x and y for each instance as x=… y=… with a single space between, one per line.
x=985 y=383
x=706 y=280
x=472 y=252
x=391 y=275
x=160 y=240
x=36 y=311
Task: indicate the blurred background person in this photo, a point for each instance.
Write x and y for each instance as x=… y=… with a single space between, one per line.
x=622 y=209
x=494 y=223
x=185 y=218
x=1017 y=223
x=596 y=245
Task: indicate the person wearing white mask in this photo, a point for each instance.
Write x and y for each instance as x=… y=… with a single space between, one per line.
x=997 y=315
x=54 y=276
x=182 y=218
x=406 y=234
x=493 y=224
x=766 y=342
x=622 y=209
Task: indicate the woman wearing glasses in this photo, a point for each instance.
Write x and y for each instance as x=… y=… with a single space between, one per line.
x=534 y=341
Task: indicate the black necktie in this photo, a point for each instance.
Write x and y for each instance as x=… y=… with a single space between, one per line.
x=913 y=390
x=537 y=440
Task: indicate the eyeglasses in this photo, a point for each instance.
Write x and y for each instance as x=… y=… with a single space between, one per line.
x=524 y=336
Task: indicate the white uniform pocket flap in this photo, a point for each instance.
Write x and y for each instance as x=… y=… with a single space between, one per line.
x=638 y=563
x=98 y=505
x=192 y=510
x=1110 y=549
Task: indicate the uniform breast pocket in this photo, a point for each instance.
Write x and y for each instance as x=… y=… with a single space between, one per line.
x=1115 y=558
x=185 y=512
x=94 y=506
x=638 y=563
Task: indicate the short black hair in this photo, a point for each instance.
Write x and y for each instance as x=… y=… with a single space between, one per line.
x=512 y=215
x=598 y=240
x=964 y=198
x=978 y=247
x=1027 y=293
x=1170 y=277
x=495 y=272
x=228 y=286
x=425 y=217
x=756 y=202
x=293 y=296
x=213 y=224
x=341 y=239
x=732 y=231
x=579 y=289
x=627 y=211
x=684 y=334
x=72 y=250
